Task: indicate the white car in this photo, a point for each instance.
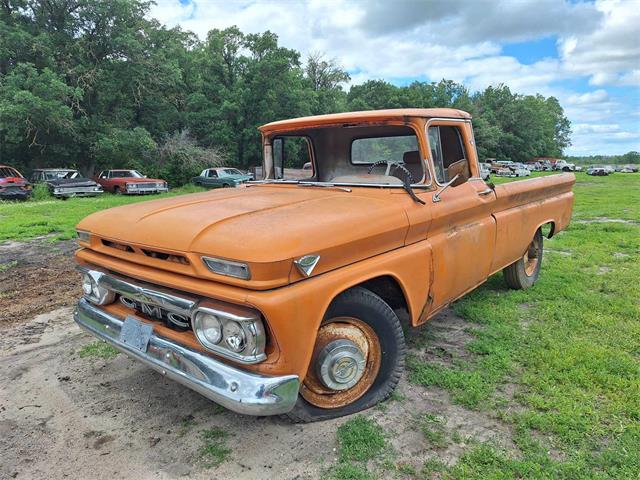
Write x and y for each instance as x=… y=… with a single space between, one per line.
x=564 y=166
x=519 y=170
x=485 y=171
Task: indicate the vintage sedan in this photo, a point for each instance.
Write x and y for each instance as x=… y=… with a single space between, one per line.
x=222 y=177
x=13 y=186
x=65 y=182
x=131 y=182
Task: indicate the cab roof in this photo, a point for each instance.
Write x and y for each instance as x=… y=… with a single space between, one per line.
x=365 y=116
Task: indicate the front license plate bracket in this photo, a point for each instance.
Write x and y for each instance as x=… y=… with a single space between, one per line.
x=136 y=334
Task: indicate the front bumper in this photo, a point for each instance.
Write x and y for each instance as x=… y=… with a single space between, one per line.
x=15 y=194
x=77 y=192
x=146 y=190
x=238 y=390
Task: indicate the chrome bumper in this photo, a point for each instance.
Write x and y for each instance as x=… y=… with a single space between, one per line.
x=238 y=390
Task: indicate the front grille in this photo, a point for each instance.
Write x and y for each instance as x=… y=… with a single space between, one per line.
x=169 y=257
x=118 y=246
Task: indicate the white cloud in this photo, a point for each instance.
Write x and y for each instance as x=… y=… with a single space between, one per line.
x=462 y=41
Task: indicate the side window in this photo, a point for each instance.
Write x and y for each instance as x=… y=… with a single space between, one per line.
x=448 y=154
x=213 y=174
x=103 y=175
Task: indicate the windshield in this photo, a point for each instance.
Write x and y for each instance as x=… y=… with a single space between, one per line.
x=367 y=155
x=126 y=174
x=56 y=174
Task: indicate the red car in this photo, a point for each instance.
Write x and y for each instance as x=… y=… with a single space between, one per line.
x=13 y=186
x=130 y=182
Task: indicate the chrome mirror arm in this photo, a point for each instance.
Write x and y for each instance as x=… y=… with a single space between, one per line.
x=436 y=196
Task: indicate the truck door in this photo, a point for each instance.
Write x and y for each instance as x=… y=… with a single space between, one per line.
x=462 y=230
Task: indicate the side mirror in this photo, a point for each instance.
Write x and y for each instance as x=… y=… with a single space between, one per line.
x=436 y=196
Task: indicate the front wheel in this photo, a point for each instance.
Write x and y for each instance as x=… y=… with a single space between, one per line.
x=357 y=359
x=525 y=271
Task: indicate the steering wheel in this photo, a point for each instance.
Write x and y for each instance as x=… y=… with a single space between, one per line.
x=391 y=164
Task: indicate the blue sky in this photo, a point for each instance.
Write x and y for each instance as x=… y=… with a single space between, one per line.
x=585 y=53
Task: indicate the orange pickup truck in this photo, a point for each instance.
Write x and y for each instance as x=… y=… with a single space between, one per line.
x=280 y=296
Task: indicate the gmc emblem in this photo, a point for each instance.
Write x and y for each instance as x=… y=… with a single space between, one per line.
x=171 y=319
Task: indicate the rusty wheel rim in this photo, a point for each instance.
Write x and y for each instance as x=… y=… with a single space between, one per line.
x=532 y=257
x=336 y=331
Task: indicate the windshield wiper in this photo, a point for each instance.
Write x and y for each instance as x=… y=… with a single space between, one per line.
x=406 y=184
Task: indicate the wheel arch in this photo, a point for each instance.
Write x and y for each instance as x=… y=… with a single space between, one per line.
x=387 y=286
x=552 y=228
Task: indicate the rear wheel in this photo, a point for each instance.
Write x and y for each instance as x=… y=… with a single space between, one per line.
x=357 y=359
x=117 y=190
x=524 y=272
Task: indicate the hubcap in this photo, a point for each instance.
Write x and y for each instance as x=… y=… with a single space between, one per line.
x=345 y=363
x=341 y=364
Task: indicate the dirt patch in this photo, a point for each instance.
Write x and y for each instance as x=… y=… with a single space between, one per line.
x=64 y=415
x=604 y=220
x=37 y=277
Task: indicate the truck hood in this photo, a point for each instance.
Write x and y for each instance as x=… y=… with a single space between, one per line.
x=266 y=226
x=72 y=182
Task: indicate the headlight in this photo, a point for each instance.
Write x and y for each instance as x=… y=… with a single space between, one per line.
x=208 y=328
x=83 y=236
x=234 y=336
x=239 y=335
x=87 y=284
x=227 y=268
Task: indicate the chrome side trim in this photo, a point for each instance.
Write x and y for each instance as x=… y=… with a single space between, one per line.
x=241 y=391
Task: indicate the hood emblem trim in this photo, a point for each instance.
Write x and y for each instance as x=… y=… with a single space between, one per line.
x=306 y=264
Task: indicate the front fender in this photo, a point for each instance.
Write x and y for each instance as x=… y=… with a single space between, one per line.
x=294 y=312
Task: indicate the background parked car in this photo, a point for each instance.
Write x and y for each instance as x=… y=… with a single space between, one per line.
x=221 y=177
x=130 y=182
x=564 y=166
x=65 y=182
x=485 y=171
x=629 y=169
x=13 y=186
x=519 y=170
x=598 y=171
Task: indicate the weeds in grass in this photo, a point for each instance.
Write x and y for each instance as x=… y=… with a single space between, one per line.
x=98 y=349
x=214 y=451
x=8 y=266
x=432 y=428
x=186 y=425
x=360 y=439
x=348 y=471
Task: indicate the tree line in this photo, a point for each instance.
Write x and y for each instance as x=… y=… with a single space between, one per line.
x=96 y=85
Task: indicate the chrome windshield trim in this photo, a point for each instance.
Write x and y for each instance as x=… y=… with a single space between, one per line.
x=334 y=184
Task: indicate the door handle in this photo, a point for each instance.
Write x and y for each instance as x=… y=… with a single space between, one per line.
x=485 y=192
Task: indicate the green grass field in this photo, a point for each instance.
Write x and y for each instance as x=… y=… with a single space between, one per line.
x=568 y=348
x=45 y=215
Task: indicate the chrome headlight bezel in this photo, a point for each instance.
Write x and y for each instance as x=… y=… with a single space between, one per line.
x=228 y=268
x=253 y=350
x=99 y=295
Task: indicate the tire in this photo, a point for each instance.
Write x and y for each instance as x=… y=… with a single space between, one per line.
x=367 y=308
x=524 y=272
x=117 y=191
x=225 y=185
